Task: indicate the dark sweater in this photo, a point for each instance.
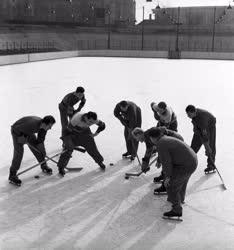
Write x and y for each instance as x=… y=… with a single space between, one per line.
x=71 y=100
x=202 y=123
x=29 y=125
x=175 y=155
x=131 y=118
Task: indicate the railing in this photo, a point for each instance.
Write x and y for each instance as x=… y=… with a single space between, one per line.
x=21 y=47
x=154 y=45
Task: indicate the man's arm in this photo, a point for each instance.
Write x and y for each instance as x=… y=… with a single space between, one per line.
x=81 y=105
x=101 y=126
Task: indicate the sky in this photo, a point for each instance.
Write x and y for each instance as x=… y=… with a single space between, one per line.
x=174 y=3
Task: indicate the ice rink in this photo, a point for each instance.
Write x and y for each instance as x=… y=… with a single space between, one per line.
x=103 y=211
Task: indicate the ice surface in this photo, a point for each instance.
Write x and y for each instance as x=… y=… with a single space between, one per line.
x=96 y=210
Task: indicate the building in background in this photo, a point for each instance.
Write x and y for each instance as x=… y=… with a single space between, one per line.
x=81 y=12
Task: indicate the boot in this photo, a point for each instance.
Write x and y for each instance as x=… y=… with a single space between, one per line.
x=132 y=158
x=102 y=166
x=172 y=214
x=62 y=171
x=46 y=169
x=209 y=169
x=160 y=190
x=13 y=179
x=159 y=178
x=125 y=155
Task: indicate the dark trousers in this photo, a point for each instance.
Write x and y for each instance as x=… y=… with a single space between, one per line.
x=197 y=143
x=64 y=117
x=177 y=188
x=131 y=143
x=83 y=139
x=19 y=152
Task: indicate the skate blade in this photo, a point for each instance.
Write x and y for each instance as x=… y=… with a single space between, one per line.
x=210 y=172
x=175 y=218
x=12 y=183
x=133 y=174
x=160 y=193
x=74 y=169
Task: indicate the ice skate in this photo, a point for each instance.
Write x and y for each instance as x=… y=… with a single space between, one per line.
x=132 y=158
x=172 y=215
x=159 y=178
x=102 y=166
x=160 y=191
x=47 y=170
x=62 y=172
x=13 y=179
x=210 y=169
x=126 y=155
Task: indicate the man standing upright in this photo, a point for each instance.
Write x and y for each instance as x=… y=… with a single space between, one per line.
x=66 y=106
x=204 y=128
x=129 y=115
x=179 y=161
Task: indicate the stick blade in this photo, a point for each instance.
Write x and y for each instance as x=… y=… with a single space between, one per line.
x=223 y=186
x=74 y=169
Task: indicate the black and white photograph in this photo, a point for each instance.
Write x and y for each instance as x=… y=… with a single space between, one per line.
x=117 y=124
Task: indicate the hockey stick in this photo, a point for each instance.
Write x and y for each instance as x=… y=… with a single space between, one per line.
x=127 y=175
x=212 y=162
x=35 y=165
x=51 y=159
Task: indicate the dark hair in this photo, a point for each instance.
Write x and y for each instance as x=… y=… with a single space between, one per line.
x=91 y=115
x=49 y=119
x=80 y=90
x=123 y=104
x=190 y=109
x=162 y=105
x=154 y=132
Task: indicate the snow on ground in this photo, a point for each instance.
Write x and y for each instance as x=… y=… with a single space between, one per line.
x=95 y=210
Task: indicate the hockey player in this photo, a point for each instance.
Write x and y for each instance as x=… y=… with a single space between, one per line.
x=66 y=107
x=79 y=134
x=179 y=161
x=129 y=115
x=23 y=131
x=204 y=128
x=164 y=115
x=142 y=136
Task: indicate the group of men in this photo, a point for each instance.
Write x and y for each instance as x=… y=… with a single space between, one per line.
x=178 y=160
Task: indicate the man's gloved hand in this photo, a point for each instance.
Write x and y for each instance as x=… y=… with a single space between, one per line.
x=22 y=139
x=145 y=166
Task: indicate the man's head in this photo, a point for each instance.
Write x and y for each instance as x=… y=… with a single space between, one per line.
x=90 y=118
x=123 y=105
x=160 y=107
x=191 y=111
x=138 y=134
x=47 y=122
x=155 y=134
x=80 y=92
